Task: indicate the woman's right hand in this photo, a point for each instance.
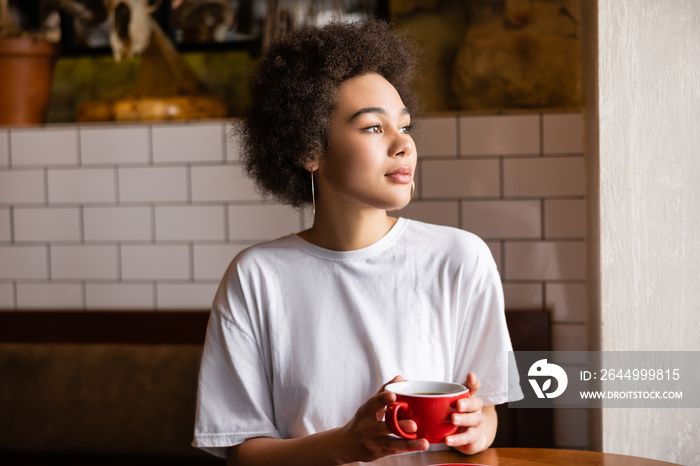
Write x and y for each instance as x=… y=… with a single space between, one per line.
x=367 y=438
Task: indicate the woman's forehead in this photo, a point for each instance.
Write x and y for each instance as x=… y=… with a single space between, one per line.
x=368 y=93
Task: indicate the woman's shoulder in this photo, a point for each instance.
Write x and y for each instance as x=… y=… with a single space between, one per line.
x=445 y=237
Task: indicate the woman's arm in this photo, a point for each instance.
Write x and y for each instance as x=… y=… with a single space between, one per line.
x=365 y=438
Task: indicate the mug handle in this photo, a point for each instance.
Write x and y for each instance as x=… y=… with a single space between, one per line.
x=392 y=419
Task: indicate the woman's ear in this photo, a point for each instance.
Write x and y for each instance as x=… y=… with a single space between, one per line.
x=312 y=163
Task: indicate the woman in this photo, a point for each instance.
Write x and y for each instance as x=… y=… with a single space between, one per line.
x=307 y=330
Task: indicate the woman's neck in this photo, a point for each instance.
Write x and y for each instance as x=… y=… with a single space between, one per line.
x=340 y=232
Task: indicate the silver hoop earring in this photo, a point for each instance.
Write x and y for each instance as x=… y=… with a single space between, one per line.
x=313 y=194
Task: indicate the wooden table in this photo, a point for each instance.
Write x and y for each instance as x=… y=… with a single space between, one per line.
x=518 y=457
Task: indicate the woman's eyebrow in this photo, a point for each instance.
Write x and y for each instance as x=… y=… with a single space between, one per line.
x=379 y=110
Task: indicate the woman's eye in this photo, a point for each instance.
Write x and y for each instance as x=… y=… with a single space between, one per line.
x=406 y=129
x=375 y=129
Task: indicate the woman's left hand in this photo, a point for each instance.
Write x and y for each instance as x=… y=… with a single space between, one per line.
x=477 y=422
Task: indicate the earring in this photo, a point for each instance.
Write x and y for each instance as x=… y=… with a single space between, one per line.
x=313 y=194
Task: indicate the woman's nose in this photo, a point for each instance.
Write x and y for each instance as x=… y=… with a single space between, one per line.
x=402 y=146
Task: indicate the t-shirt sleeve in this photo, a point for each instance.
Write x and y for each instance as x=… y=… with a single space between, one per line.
x=233 y=399
x=484 y=345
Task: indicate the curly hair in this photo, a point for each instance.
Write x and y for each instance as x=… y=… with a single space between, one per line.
x=293 y=94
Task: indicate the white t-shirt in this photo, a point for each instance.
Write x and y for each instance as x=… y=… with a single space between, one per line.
x=300 y=336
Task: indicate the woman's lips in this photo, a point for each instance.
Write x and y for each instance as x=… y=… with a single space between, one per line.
x=400 y=175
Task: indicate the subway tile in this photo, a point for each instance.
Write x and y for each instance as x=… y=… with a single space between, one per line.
x=544 y=176
x=5 y=225
x=499 y=135
x=563 y=133
x=44 y=146
x=84 y=185
x=186 y=295
x=567 y=301
x=565 y=218
x=503 y=219
x=212 y=260
x=571 y=427
x=114 y=145
x=155 y=262
x=119 y=296
x=436 y=136
x=47 y=224
x=22 y=187
x=190 y=223
x=7 y=296
x=233 y=142
x=262 y=222
x=440 y=213
x=153 y=184
x=4 y=148
x=460 y=178
x=523 y=296
x=23 y=262
x=567 y=337
x=193 y=142
x=545 y=260
x=117 y=223
x=222 y=183
x=84 y=262
x=49 y=296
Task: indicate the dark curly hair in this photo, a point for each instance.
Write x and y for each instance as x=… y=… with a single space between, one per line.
x=293 y=93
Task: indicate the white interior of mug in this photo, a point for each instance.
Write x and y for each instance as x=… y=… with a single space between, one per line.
x=426 y=388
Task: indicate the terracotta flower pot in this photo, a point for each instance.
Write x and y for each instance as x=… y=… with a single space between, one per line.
x=26 y=70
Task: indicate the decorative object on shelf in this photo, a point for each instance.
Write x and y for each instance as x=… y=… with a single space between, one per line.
x=27 y=57
x=167 y=88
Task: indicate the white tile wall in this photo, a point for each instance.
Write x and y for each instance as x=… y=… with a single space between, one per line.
x=149 y=216
x=119 y=296
x=186 y=295
x=545 y=260
x=222 y=183
x=82 y=186
x=503 y=219
x=46 y=224
x=115 y=145
x=211 y=260
x=188 y=143
x=44 y=147
x=261 y=222
x=544 y=176
x=84 y=262
x=5 y=225
x=190 y=223
x=153 y=184
x=118 y=224
x=459 y=178
x=24 y=262
x=563 y=134
x=22 y=187
x=435 y=136
x=499 y=135
x=4 y=148
x=6 y=296
x=155 y=262
x=49 y=296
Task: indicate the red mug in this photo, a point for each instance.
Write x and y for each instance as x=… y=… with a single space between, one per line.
x=429 y=404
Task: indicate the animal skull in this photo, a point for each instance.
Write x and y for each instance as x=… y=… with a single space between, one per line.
x=130 y=26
